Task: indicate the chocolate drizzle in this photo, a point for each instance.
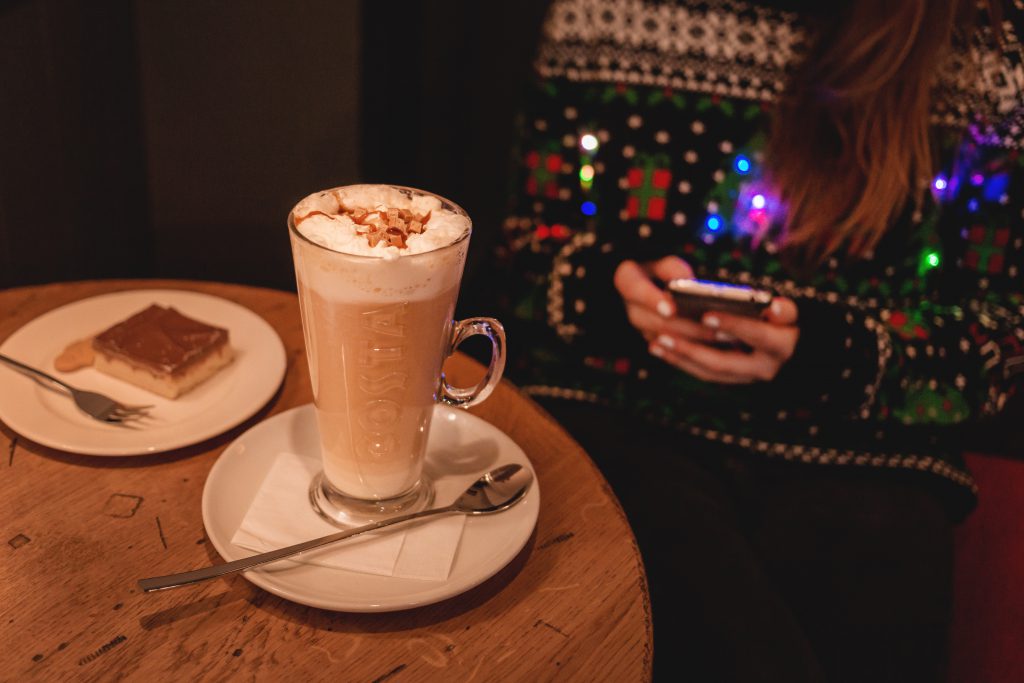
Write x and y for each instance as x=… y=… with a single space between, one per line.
x=161 y=340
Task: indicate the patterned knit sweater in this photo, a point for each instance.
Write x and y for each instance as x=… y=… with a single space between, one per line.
x=644 y=137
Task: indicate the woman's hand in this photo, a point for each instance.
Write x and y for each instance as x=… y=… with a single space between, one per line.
x=650 y=309
x=685 y=343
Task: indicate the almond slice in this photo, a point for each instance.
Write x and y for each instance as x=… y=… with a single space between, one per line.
x=396 y=238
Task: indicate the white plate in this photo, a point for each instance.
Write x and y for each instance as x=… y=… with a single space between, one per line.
x=223 y=401
x=461 y=447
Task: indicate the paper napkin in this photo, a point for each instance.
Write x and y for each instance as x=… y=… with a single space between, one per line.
x=281 y=515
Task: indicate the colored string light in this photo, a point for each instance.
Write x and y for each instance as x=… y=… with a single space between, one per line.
x=940 y=183
x=714 y=223
x=933 y=259
x=758 y=201
x=742 y=165
x=996 y=187
x=972 y=205
x=587 y=173
x=588 y=208
x=589 y=142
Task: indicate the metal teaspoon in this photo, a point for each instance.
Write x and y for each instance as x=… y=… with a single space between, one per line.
x=498 y=490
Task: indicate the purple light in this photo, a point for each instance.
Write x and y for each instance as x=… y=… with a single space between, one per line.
x=758 y=201
x=940 y=183
x=977 y=179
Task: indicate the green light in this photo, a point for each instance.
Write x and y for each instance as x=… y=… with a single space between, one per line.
x=933 y=259
x=587 y=173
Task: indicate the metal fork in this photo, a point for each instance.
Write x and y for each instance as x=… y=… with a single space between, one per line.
x=96 y=406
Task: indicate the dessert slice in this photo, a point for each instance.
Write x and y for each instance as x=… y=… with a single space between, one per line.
x=163 y=351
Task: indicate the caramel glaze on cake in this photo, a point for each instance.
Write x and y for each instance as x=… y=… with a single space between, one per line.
x=161 y=350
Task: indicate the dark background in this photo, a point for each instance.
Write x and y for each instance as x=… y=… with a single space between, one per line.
x=169 y=138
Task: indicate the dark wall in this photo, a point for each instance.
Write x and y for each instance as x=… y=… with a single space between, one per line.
x=443 y=82
x=247 y=107
x=73 y=197
x=169 y=138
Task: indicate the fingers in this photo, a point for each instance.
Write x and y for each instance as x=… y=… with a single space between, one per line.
x=651 y=324
x=684 y=343
x=775 y=339
x=690 y=367
x=782 y=311
x=688 y=329
x=714 y=365
x=636 y=287
x=671 y=268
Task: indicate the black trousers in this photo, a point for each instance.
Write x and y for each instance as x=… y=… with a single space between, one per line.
x=762 y=570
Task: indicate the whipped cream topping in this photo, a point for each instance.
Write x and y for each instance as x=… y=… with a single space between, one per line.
x=321 y=217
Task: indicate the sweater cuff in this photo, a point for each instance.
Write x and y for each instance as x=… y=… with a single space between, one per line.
x=834 y=367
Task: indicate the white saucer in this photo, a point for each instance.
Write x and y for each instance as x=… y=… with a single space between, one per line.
x=461 y=448
x=225 y=400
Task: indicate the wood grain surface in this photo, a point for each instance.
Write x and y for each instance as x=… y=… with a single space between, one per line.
x=78 y=531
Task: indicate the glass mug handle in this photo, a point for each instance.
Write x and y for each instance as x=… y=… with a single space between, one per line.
x=462 y=330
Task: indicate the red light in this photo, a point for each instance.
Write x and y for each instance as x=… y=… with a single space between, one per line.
x=559 y=231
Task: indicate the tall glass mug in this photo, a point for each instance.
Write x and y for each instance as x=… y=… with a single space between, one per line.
x=378 y=329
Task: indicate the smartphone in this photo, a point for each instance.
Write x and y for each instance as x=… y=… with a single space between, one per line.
x=694 y=298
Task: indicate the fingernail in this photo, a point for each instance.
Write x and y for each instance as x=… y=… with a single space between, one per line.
x=724 y=337
x=712 y=321
x=664 y=308
x=667 y=341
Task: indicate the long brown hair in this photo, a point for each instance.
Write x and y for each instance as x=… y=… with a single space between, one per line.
x=850 y=143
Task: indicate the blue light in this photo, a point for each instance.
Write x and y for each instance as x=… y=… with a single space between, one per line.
x=940 y=183
x=714 y=223
x=742 y=165
x=972 y=205
x=588 y=208
x=996 y=187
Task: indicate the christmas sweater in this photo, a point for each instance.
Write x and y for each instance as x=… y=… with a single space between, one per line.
x=644 y=137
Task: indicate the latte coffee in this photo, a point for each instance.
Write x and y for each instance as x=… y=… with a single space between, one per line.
x=378 y=270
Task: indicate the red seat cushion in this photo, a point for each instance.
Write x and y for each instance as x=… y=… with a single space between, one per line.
x=987 y=635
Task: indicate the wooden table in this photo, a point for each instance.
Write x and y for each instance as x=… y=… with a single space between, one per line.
x=78 y=531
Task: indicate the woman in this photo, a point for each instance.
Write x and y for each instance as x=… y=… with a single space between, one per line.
x=792 y=480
